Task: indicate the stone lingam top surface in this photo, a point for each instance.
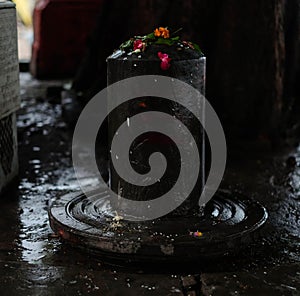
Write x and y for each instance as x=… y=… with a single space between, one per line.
x=160 y=45
x=158 y=53
x=174 y=52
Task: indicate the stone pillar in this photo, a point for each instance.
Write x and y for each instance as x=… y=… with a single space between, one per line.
x=9 y=93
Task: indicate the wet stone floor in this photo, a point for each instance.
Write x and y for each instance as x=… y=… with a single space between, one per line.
x=33 y=261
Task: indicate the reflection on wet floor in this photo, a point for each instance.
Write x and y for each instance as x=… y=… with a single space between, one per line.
x=34 y=262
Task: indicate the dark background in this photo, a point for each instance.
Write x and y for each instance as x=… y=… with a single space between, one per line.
x=252 y=50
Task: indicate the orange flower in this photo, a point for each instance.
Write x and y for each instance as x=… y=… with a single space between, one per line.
x=162 y=32
x=157 y=32
x=165 y=32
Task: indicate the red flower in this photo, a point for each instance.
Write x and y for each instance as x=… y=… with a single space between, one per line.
x=165 y=60
x=138 y=44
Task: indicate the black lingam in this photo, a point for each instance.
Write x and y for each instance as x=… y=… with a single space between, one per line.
x=187 y=65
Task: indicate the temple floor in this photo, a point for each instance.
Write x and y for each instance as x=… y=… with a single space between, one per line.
x=33 y=261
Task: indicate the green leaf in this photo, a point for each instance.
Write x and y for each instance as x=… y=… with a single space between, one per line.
x=197 y=47
x=164 y=41
x=127 y=44
x=175 y=38
x=149 y=36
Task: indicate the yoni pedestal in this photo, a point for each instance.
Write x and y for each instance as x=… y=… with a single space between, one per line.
x=187 y=66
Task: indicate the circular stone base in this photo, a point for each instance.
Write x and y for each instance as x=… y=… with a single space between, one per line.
x=229 y=223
